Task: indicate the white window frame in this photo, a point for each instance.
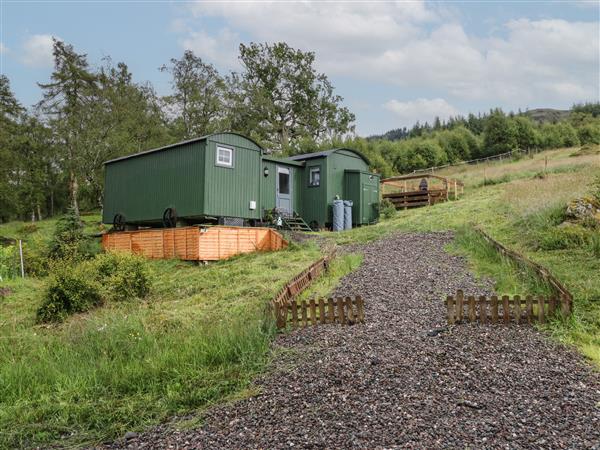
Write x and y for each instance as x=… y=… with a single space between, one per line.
x=312 y=170
x=218 y=161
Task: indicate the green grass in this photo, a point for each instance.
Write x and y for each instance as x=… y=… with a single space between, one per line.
x=200 y=338
x=338 y=268
x=524 y=213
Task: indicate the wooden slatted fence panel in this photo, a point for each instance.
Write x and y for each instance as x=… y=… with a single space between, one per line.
x=517 y=309
x=340 y=310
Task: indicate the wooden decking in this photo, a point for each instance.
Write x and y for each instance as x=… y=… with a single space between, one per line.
x=411 y=199
x=194 y=243
x=405 y=191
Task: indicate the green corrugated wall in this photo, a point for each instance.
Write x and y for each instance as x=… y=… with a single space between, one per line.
x=142 y=187
x=314 y=198
x=229 y=191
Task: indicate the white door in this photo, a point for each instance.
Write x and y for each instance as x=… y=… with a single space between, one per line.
x=284 y=190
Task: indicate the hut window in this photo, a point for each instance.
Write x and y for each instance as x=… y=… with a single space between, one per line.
x=224 y=156
x=314 y=176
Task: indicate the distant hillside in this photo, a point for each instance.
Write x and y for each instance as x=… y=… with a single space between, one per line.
x=547 y=114
x=539 y=115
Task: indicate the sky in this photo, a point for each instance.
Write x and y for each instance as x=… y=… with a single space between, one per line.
x=393 y=62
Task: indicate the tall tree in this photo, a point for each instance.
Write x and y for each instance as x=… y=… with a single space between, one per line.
x=127 y=119
x=197 y=103
x=11 y=113
x=282 y=100
x=69 y=102
x=500 y=134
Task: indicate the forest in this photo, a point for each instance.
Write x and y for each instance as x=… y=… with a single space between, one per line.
x=52 y=154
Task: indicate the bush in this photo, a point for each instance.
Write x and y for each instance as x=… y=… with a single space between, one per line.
x=9 y=262
x=68 y=237
x=74 y=288
x=69 y=290
x=35 y=256
x=589 y=133
x=387 y=209
x=123 y=276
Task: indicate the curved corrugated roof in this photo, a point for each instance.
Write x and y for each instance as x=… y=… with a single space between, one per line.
x=326 y=153
x=189 y=141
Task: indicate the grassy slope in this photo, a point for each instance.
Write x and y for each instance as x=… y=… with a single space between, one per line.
x=516 y=208
x=200 y=338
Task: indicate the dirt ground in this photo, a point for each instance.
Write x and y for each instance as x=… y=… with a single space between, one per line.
x=395 y=383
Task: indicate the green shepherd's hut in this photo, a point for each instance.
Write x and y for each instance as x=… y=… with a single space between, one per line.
x=227 y=178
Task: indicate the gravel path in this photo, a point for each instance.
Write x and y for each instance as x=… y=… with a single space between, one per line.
x=390 y=384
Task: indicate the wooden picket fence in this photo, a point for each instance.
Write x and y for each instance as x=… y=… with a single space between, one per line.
x=287 y=308
x=519 y=309
x=342 y=310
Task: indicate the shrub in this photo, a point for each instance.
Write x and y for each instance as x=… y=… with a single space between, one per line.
x=68 y=237
x=387 y=209
x=589 y=133
x=123 y=276
x=73 y=288
x=70 y=289
x=9 y=263
x=35 y=256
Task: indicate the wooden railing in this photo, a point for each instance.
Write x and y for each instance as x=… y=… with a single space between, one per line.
x=287 y=309
x=520 y=260
x=411 y=199
x=528 y=309
x=345 y=311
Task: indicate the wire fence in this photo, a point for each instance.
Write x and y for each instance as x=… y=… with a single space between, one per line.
x=498 y=157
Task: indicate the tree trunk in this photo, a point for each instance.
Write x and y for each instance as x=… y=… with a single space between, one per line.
x=74 y=187
x=39 y=212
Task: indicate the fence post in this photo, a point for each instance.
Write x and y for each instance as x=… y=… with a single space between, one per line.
x=450 y=307
x=21 y=258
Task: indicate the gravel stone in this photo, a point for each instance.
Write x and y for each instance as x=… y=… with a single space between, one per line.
x=395 y=383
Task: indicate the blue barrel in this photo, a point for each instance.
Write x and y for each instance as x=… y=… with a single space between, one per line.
x=347 y=214
x=338 y=215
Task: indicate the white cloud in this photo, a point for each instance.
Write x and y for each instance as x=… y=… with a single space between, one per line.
x=416 y=45
x=37 y=51
x=422 y=110
x=221 y=48
x=3 y=48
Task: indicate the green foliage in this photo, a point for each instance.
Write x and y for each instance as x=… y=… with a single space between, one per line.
x=123 y=276
x=387 y=208
x=70 y=289
x=68 y=237
x=589 y=133
x=526 y=134
x=199 y=95
x=280 y=98
x=78 y=287
x=35 y=256
x=9 y=262
x=500 y=135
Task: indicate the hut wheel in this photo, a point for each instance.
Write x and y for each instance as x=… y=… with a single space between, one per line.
x=170 y=218
x=119 y=222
